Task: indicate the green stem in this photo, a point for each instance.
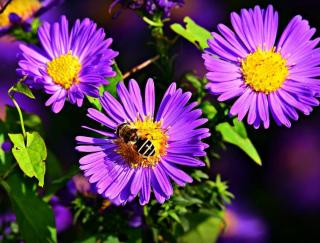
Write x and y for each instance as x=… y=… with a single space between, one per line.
x=162 y=46
x=19 y=111
x=8 y=172
x=153 y=23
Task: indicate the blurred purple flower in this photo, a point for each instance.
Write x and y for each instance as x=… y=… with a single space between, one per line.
x=6 y=146
x=80 y=184
x=7 y=217
x=173 y=133
x=165 y=5
x=150 y=6
x=5 y=220
x=71 y=65
x=243 y=227
x=63 y=217
x=62 y=214
x=295 y=172
x=265 y=77
x=22 y=12
x=135 y=214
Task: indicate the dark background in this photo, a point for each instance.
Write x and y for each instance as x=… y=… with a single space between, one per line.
x=283 y=194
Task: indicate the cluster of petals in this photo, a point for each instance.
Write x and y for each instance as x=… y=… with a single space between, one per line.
x=115 y=179
x=256 y=30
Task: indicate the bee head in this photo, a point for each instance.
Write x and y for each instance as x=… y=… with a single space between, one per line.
x=119 y=127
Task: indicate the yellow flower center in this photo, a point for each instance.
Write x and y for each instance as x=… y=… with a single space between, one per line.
x=64 y=70
x=264 y=71
x=24 y=8
x=146 y=129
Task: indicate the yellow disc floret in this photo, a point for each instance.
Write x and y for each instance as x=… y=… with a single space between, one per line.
x=146 y=129
x=23 y=8
x=264 y=71
x=64 y=70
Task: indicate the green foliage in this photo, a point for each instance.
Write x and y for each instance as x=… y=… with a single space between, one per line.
x=196 y=83
x=30 y=156
x=109 y=239
x=203 y=228
x=82 y=211
x=100 y=221
x=209 y=110
x=112 y=239
x=5 y=158
x=193 y=33
x=217 y=115
x=30 y=37
x=59 y=182
x=111 y=87
x=13 y=124
x=237 y=136
x=34 y=216
x=113 y=82
x=23 y=89
x=191 y=211
x=193 y=214
x=2 y=139
x=199 y=175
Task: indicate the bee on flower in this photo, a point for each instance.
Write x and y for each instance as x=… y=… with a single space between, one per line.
x=142 y=149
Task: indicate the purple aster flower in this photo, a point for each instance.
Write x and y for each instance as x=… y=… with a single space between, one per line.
x=70 y=65
x=141 y=148
x=21 y=12
x=246 y=63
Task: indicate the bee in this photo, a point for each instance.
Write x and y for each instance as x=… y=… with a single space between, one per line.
x=130 y=136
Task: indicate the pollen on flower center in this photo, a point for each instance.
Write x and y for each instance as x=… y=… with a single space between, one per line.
x=24 y=8
x=64 y=70
x=264 y=71
x=147 y=129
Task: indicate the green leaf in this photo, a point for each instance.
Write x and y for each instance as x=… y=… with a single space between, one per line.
x=2 y=154
x=32 y=121
x=113 y=82
x=57 y=184
x=53 y=166
x=34 y=216
x=194 y=81
x=111 y=87
x=199 y=175
x=27 y=36
x=91 y=239
x=23 y=89
x=95 y=102
x=237 y=136
x=209 y=110
x=112 y=239
x=204 y=228
x=6 y=159
x=31 y=156
x=193 y=33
